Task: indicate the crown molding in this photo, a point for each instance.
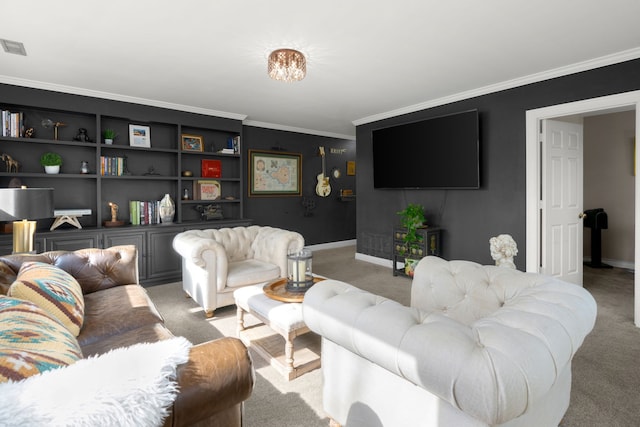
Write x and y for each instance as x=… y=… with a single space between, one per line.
x=297 y=130
x=117 y=97
x=602 y=61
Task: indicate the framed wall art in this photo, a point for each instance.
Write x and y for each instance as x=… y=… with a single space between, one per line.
x=139 y=136
x=205 y=189
x=351 y=167
x=192 y=142
x=274 y=173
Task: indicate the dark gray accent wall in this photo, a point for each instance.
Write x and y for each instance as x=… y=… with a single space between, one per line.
x=470 y=217
x=332 y=219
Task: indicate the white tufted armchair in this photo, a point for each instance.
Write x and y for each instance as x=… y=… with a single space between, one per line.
x=479 y=346
x=215 y=262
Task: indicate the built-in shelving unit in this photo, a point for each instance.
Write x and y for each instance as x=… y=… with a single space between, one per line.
x=149 y=174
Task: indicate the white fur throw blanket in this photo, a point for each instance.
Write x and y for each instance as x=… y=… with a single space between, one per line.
x=131 y=386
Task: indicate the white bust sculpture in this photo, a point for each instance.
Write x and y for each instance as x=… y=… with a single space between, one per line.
x=503 y=249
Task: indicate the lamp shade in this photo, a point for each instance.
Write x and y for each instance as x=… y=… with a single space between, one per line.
x=25 y=203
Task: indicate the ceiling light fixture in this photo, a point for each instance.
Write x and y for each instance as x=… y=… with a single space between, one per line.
x=287 y=65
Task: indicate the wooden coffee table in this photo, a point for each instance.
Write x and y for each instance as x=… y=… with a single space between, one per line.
x=283 y=318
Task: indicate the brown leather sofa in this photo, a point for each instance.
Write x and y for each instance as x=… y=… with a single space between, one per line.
x=219 y=375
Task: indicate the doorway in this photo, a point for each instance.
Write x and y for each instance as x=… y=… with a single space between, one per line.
x=534 y=227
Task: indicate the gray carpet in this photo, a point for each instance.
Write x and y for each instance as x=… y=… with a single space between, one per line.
x=606 y=379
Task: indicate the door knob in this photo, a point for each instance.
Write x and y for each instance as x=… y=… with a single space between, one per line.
x=582 y=215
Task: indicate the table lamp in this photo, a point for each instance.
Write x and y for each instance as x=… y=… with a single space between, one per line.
x=22 y=206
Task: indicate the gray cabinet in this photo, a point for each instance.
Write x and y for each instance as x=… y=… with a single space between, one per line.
x=71 y=241
x=157 y=261
x=429 y=245
x=165 y=264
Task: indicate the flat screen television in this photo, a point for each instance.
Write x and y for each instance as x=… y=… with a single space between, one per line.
x=438 y=153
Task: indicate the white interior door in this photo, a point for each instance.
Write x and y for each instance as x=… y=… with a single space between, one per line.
x=562 y=200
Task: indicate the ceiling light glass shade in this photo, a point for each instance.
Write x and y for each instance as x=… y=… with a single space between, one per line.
x=287 y=65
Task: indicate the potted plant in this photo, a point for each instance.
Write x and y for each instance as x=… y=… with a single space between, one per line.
x=109 y=135
x=51 y=162
x=412 y=218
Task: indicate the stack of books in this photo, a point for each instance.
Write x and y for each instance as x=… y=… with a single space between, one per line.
x=111 y=166
x=144 y=212
x=12 y=124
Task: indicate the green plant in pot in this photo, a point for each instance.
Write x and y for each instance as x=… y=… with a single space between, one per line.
x=51 y=162
x=109 y=135
x=412 y=218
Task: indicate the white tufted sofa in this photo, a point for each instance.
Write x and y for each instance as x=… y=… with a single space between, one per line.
x=215 y=262
x=479 y=346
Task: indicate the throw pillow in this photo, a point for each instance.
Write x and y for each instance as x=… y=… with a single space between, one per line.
x=52 y=289
x=133 y=386
x=31 y=341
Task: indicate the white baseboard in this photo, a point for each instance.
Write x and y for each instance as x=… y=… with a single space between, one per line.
x=389 y=263
x=332 y=245
x=374 y=260
x=628 y=265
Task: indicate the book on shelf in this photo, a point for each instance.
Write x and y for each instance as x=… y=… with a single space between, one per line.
x=227 y=151
x=211 y=168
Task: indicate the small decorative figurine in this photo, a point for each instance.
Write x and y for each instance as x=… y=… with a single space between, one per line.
x=29 y=133
x=503 y=249
x=114 y=211
x=114 y=217
x=10 y=162
x=82 y=136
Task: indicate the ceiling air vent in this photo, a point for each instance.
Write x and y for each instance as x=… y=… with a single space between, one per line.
x=13 y=47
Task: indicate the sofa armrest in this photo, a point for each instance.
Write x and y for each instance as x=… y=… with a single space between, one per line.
x=204 y=252
x=273 y=244
x=493 y=370
x=219 y=375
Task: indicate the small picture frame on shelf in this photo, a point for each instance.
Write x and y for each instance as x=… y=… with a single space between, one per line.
x=206 y=189
x=139 y=136
x=192 y=142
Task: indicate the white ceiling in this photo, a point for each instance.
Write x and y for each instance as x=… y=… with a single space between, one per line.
x=366 y=59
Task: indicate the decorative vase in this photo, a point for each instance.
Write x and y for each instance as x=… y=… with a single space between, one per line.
x=167 y=209
x=52 y=170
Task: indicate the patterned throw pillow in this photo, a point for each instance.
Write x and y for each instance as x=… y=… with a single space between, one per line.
x=52 y=289
x=31 y=341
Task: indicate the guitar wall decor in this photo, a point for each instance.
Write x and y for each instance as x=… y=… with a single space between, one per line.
x=323 y=189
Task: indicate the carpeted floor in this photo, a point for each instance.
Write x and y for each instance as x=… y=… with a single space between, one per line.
x=606 y=379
